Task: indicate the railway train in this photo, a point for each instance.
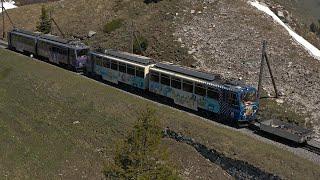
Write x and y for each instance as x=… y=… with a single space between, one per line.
x=195 y=90
x=51 y=48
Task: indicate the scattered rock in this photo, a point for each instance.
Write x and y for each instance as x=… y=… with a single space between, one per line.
x=280 y=101
x=76 y=122
x=91 y=33
x=192 y=51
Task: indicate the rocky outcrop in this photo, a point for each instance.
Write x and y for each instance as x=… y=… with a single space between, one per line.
x=225 y=38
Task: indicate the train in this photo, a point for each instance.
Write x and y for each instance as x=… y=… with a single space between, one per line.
x=196 y=90
x=72 y=54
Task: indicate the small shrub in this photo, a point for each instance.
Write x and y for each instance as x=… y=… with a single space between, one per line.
x=139 y=156
x=313 y=27
x=140 y=45
x=112 y=25
x=151 y=1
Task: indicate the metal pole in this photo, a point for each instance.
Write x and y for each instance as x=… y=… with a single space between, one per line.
x=58 y=27
x=8 y=17
x=132 y=29
x=3 y=25
x=132 y=42
x=270 y=71
x=261 y=68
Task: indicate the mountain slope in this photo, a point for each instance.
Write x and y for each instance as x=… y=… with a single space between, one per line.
x=227 y=37
x=57 y=124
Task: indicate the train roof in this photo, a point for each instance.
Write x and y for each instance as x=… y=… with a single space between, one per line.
x=54 y=38
x=134 y=58
x=188 y=72
x=21 y=31
x=51 y=38
x=213 y=80
x=59 y=41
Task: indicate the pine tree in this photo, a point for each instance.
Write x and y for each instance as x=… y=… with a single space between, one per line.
x=139 y=156
x=44 y=24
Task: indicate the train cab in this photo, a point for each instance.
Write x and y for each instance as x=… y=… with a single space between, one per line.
x=239 y=103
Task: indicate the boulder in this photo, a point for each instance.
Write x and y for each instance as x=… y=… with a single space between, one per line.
x=91 y=33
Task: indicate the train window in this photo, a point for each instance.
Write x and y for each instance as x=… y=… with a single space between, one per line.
x=213 y=93
x=232 y=99
x=114 y=65
x=165 y=79
x=82 y=52
x=187 y=86
x=155 y=76
x=200 y=89
x=140 y=72
x=98 y=60
x=64 y=51
x=131 y=70
x=176 y=83
x=106 y=63
x=249 y=96
x=72 y=54
x=122 y=67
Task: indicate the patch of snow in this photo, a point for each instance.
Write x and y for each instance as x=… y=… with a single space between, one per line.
x=8 y=5
x=313 y=51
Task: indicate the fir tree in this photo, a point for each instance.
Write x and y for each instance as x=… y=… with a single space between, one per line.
x=139 y=156
x=44 y=24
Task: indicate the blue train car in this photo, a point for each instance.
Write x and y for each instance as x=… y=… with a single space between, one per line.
x=203 y=92
x=116 y=66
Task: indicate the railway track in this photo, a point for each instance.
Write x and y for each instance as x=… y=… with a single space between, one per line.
x=311 y=146
x=3 y=44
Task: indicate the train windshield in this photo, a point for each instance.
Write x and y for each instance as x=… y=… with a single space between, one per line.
x=249 y=97
x=82 y=52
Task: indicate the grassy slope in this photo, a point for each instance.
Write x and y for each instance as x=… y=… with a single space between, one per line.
x=39 y=103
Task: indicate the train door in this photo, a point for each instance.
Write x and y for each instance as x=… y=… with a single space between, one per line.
x=54 y=55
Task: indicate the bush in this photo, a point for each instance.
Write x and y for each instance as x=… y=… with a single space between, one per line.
x=140 y=45
x=151 y=1
x=112 y=25
x=139 y=156
x=315 y=28
x=44 y=24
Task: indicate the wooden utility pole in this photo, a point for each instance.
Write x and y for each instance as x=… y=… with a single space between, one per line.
x=3 y=25
x=132 y=29
x=264 y=57
x=58 y=27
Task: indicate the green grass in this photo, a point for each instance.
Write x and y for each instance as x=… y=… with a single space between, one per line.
x=112 y=25
x=40 y=102
x=270 y=109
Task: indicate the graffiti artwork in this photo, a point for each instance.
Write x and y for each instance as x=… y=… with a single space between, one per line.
x=185 y=99
x=116 y=77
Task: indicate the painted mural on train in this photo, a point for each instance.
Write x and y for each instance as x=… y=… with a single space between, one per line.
x=116 y=76
x=132 y=80
x=185 y=99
